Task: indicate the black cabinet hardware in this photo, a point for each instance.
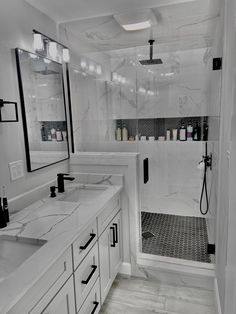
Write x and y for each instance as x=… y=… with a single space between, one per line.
x=95 y=307
x=113 y=236
x=116 y=232
x=94 y=267
x=84 y=247
x=145 y=171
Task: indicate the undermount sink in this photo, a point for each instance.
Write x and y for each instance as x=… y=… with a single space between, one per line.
x=14 y=251
x=83 y=193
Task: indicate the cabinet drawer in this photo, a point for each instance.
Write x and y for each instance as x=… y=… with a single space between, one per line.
x=86 y=275
x=92 y=303
x=84 y=243
x=50 y=282
x=63 y=301
x=107 y=214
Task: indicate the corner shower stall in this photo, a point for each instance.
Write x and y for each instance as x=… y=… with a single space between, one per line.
x=152 y=102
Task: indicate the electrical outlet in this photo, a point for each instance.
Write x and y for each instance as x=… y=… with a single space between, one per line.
x=16 y=169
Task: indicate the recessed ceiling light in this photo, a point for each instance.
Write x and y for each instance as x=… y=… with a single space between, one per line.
x=136 y=19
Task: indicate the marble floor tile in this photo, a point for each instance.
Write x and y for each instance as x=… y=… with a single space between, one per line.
x=130 y=295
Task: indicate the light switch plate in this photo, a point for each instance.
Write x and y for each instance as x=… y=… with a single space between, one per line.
x=16 y=169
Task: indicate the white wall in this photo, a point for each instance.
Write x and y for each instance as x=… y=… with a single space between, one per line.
x=226 y=232
x=17 y=19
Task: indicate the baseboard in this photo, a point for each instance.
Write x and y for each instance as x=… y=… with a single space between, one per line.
x=217 y=298
x=125 y=269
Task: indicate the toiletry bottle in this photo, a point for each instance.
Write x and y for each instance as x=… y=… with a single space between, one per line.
x=189 y=131
x=205 y=130
x=43 y=133
x=3 y=223
x=182 y=132
x=196 y=133
x=49 y=136
x=124 y=133
x=53 y=133
x=168 y=135
x=118 y=132
x=59 y=135
x=5 y=205
x=174 y=134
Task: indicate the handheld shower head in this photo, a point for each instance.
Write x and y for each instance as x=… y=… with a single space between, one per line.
x=151 y=61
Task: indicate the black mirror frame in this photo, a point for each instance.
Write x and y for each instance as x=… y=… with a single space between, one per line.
x=24 y=119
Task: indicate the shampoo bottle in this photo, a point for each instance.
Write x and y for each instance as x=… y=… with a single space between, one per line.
x=182 y=132
x=124 y=133
x=118 y=132
x=189 y=131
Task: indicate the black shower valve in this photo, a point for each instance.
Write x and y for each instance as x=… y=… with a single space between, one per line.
x=208 y=160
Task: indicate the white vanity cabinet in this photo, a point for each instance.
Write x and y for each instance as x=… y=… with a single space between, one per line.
x=110 y=254
x=79 y=280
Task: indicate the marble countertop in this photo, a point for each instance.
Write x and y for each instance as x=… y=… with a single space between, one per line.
x=57 y=222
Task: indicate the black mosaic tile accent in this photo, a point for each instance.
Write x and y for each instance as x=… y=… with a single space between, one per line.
x=175 y=236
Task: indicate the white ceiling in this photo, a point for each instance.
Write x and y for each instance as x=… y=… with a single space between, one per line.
x=68 y=10
x=181 y=24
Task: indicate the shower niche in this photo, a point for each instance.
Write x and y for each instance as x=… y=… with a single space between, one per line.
x=163 y=129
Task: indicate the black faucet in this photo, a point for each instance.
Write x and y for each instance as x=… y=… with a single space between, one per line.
x=60 y=181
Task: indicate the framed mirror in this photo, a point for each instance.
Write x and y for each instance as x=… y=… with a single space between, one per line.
x=43 y=109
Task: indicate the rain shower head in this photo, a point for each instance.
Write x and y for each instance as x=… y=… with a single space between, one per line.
x=151 y=61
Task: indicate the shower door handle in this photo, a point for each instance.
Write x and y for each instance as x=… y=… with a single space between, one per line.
x=145 y=171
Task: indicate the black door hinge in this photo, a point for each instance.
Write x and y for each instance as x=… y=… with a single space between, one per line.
x=217 y=64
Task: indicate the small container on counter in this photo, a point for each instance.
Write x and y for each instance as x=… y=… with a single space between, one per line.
x=168 y=135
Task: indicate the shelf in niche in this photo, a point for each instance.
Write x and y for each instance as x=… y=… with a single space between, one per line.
x=158 y=126
x=155 y=142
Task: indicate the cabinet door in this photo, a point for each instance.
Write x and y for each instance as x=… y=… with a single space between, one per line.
x=62 y=303
x=110 y=254
x=116 y=251
x=105 y=267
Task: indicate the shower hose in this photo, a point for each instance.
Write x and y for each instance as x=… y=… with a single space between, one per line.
x=204 y=189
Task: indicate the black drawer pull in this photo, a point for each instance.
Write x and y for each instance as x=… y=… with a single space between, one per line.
x=94 y=267
x=113 y=236
x=92 y=236
x=95 y=307
x=116 y=232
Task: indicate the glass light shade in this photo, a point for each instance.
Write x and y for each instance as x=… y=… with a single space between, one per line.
x=52 y=49
x=99 y=69
x=65 y=55
x=38 y=42
x=91 y=67
x=114 y=76
x=83 y=64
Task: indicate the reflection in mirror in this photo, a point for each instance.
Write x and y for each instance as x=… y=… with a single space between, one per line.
x=43 y=109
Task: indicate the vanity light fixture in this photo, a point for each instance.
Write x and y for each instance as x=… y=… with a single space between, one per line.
x=52 y=49
x=38 y=42
x=56 y=50
x=65 y=55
